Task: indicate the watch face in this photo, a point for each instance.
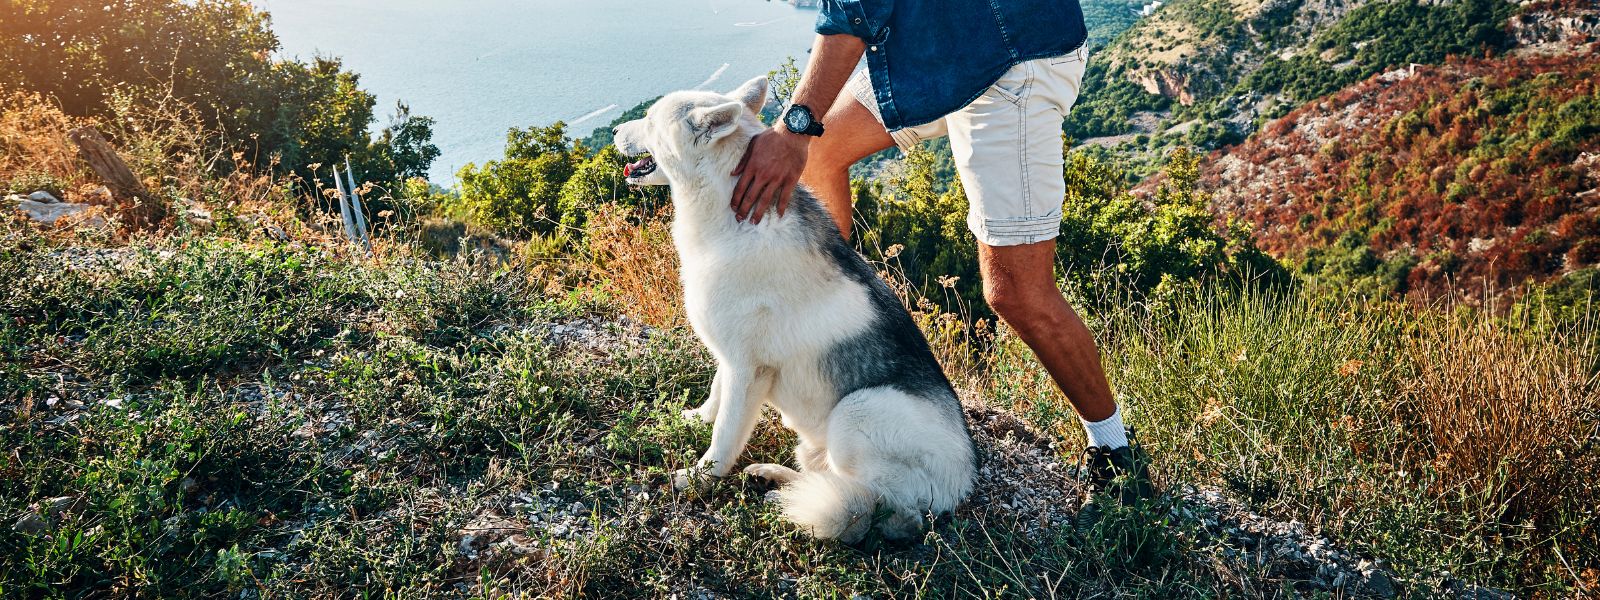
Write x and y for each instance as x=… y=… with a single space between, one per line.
x=798 y=118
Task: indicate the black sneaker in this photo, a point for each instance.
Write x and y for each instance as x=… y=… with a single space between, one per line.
x=1122 y=474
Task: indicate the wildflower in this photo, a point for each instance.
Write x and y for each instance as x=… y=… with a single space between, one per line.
x=1212 y=412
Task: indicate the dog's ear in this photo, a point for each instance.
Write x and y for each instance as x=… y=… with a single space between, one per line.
x=711 y=123
x=753 y=94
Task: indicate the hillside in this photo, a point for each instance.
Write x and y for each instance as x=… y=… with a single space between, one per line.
x=1208 y=72
x=217 y=380
x=450 y=429
x=1426 y=179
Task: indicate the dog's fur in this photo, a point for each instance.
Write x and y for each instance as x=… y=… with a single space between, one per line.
x=796 y=319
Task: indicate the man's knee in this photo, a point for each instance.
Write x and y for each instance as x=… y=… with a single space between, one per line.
x=1019 y=283
x=1021 y=305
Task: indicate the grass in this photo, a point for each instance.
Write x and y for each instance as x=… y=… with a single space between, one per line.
x=223 y=417
x=1439 y=441
x=197 y=416
x=247 y=409
x=279 y=420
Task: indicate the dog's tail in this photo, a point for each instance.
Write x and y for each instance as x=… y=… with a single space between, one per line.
x=829 y=505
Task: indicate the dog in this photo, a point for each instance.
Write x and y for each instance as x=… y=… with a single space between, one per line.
x=796 y=319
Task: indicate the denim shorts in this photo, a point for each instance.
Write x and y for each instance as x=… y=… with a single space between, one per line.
x=1006 y=146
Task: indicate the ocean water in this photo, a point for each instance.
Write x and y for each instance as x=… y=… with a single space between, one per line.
x=480 y=67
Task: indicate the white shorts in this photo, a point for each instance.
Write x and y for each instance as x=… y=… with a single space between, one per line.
x=1007 y=147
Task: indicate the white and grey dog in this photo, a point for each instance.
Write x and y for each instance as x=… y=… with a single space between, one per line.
x=796 y=319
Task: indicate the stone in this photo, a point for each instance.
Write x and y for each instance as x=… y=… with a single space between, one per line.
x=1465 y=591
x=31 y=523
x=60 y=504
x=1379 y=583
x=49 y=213
x=43 y=197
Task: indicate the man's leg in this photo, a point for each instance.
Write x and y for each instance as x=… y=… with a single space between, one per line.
x=853 y=134
x=1020 y=285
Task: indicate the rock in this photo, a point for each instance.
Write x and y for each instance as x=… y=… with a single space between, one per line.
x=100 y=195
x=520 y=545
x=49 y=213
x=31 y=524
x=60 y=504
x=1379 y=583
x=469 y=546
x=43 y=197
x=195 y=213
x=1467 y=591
x=44 y=515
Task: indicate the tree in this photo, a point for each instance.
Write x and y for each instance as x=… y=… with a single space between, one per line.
x=520 y=195
x=216 y=56
x=403 y=150
x=1110 y=237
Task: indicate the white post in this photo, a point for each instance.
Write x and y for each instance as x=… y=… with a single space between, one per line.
x=355 y=202
x=344 y=207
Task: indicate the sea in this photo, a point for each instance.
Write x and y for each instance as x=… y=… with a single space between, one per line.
x=481 y=67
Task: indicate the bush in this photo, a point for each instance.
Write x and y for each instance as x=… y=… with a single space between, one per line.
x=547 y=184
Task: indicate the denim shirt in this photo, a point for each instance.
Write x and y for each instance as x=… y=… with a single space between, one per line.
x=928 y=58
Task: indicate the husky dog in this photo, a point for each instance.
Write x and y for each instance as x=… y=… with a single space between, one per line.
x=796 y=319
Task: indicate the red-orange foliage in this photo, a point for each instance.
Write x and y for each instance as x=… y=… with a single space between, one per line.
x=1495 y=160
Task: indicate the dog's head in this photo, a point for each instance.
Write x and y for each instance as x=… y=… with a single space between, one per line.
x=682 y=128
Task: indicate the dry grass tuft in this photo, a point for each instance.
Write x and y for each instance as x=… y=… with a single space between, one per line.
x=632 y=259
x=1504 y=417
x=34 y=145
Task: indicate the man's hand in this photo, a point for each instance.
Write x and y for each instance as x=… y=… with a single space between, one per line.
x=768 y=173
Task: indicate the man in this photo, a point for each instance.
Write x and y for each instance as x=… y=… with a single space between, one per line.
x=998 y=78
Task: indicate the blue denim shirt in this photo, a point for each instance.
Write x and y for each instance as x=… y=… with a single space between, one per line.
x=928 y=58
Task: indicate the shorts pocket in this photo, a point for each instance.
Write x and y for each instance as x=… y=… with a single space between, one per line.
x=1013 y=84
x=1070 y=57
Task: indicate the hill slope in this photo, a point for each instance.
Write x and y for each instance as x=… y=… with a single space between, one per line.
x=1210 y=71
x=1474 y=171
x=441 y=429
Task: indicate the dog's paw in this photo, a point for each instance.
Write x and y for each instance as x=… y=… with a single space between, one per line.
x=684 y=479
x=772 y=473
x=698 y=415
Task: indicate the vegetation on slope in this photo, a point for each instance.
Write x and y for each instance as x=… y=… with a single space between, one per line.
x=1479 y=173
x=1229 y=65
x=411 y=427
x=242 y=404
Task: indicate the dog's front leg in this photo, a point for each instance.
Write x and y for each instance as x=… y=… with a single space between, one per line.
x=707 y=412
x=742 y=392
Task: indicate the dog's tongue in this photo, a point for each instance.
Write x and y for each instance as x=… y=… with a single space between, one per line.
x=643 y=166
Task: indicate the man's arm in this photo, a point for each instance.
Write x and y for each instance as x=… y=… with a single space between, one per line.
x=772 y=163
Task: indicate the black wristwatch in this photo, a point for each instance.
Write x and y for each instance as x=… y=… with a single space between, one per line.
x=799 y=120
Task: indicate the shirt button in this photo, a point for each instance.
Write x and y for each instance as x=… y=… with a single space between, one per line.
x=856 y=20
x=874 y=48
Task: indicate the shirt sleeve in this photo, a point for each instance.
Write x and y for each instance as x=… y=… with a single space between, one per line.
x=864 y=19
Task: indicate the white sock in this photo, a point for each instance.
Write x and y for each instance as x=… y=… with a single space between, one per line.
x=1108 y=433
